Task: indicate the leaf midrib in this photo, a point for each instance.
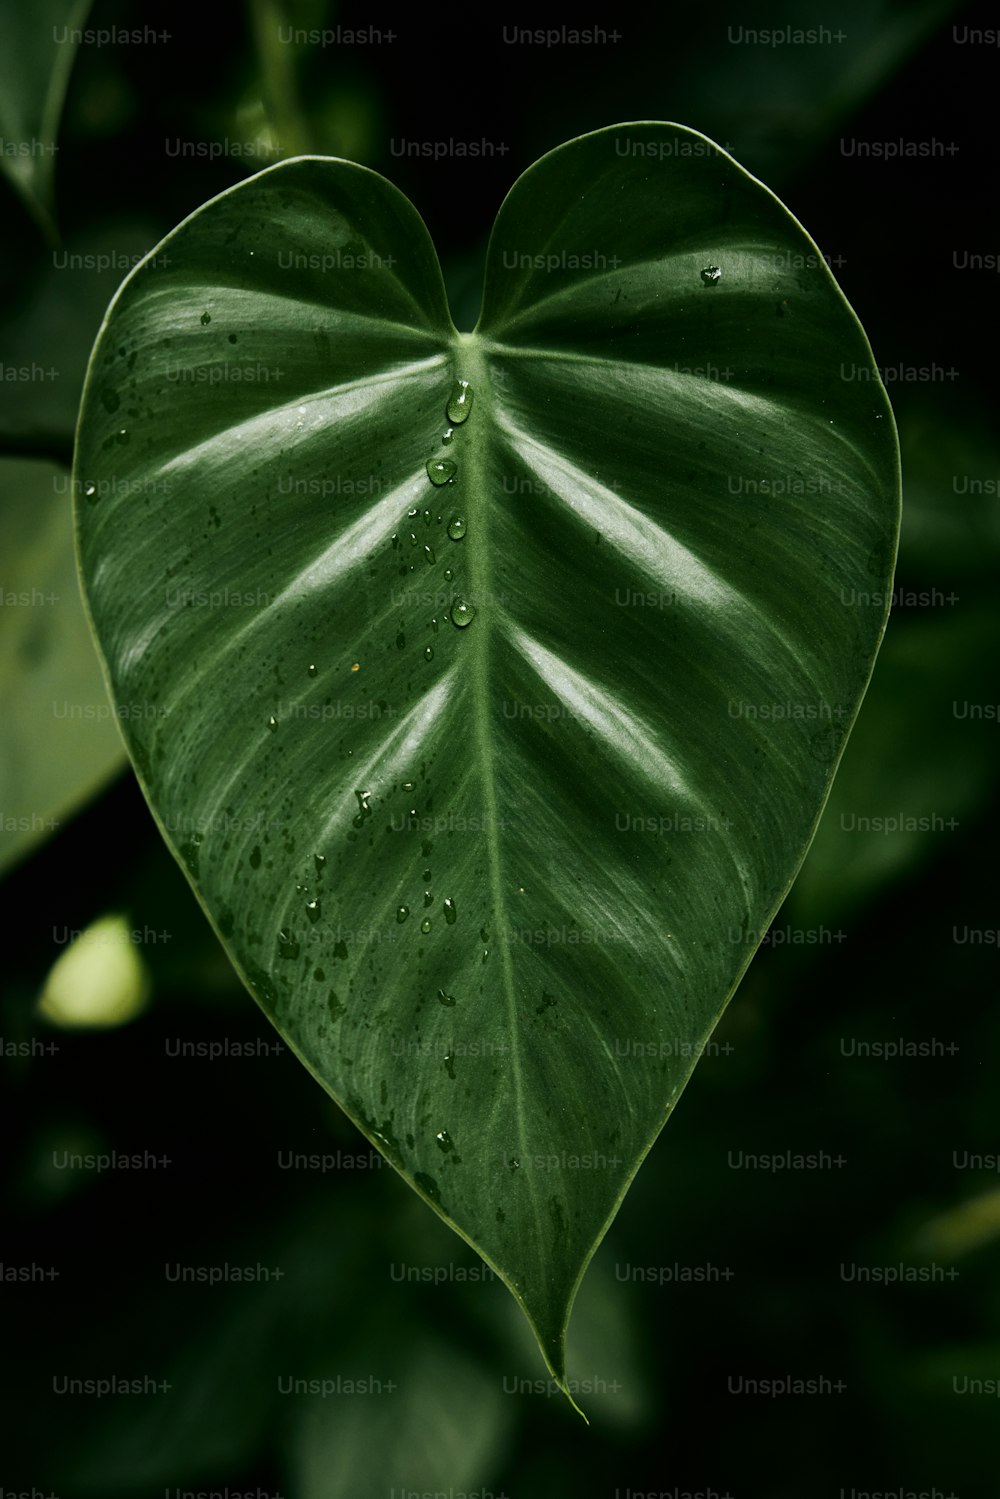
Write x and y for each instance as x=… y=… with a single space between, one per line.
x=471 y=365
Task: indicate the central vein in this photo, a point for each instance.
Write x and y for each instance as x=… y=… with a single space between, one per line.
x=483 y=596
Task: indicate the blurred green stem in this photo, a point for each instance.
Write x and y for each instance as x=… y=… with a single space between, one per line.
x=276 y=67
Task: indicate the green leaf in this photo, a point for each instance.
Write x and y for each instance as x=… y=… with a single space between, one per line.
x=780 y=103
x=891 y=811
x=430 y=1420
x=489 y=788
x=58 y=740
x=35 y=63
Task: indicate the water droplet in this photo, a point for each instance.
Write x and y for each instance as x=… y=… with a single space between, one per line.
x=447 y=435
x=462 y=613
x=255 y=857
x=319 y=860
x=434 y=624
x=459 y=402
x=446 y=999
x=364 y=810
x=287 y=945
x=313 y=910
x=441 y=470
x=110 y=399
x=401 y=913
x=122 y=436
x=456 y=528
x=400 y=640
x=484 y=934
x=429 y=556
x=90 y=491
x=272 y=724
x=450 y=914
x=514 y=1164
x=444 y=1140
x=449 y=1063
x=429 y=653
x=427 y=874
x=710 y=275
x=428 y=898
x=312 y=671
x=190 y=854
x=425 y=925
x=408 y=786
x=206 y=318
x=233 y=338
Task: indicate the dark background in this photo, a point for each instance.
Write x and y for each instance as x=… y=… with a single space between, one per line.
x=886 y=959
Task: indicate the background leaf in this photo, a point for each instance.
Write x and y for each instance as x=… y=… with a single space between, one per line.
x=430 y=1420
x=35 y=63
x=49 y=671
x=50 y=333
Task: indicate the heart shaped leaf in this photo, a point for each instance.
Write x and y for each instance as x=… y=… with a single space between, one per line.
x=489 y=685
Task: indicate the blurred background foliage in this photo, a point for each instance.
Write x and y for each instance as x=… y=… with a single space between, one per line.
x=90 y=1029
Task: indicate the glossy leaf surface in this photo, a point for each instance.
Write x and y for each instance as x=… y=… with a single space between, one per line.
x=491 y=721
